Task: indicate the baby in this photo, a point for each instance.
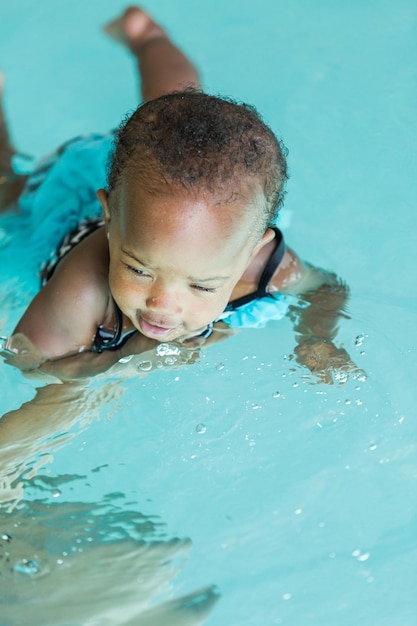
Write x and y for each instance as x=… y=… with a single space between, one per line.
x=187 y=241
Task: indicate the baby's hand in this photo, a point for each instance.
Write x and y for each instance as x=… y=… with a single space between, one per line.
x=328 y=363
x=19 y=351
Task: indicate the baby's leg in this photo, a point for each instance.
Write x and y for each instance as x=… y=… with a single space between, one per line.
x=162 y=66
x=11 y=184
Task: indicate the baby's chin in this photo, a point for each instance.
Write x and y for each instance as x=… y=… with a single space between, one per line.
x=180 y=334
x=190 y=335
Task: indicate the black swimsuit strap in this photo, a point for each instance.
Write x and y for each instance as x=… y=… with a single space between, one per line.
x=272 y=264
x=109 y=341
x=266 y=276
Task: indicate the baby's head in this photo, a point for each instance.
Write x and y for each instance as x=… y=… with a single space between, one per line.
x=202 y=143
x=194 y=184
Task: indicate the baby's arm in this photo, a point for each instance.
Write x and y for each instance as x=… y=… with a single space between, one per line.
x=63 y=318
x=324 y=299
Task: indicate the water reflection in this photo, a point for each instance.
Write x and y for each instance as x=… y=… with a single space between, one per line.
x=80 y=563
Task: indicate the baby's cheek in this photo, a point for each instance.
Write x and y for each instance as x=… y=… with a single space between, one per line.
x=211 y=309
x=124 y=292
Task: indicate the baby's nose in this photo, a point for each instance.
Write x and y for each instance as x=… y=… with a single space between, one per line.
x=163 y=299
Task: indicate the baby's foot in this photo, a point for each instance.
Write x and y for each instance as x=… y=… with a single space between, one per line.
x=134 y=28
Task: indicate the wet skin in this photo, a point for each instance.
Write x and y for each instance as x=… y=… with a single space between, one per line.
x=176 y=258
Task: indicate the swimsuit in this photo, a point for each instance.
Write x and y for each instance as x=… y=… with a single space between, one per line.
x=84 y=228
x=61 y=190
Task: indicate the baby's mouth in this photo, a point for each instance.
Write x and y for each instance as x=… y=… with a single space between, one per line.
x=155 y=330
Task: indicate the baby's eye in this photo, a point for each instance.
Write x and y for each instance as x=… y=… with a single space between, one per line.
x=136 y=271
x=205 y=289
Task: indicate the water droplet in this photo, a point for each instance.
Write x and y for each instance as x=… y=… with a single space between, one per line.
x=219 y=366
x=361 y=556
x=347 y=401
x=373 y=447
x=359 y=340
x=200 y=429
x=26 y=566
x=250 y=440
x=170 y=360
x=144 y=366
x=298 y=511
x=295 y=384
x=6 y=537
x=286 y=596
x=56 y=493
x=341 y=377
x=165 y=349
x=276 y=394
x=126 y=359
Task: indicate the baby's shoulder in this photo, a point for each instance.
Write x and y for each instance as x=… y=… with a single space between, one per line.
x=83 y=273
x=92 y=249
x=288 y=273
x=63 y=317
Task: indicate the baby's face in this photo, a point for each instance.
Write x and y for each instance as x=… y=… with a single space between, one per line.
x=175 y=258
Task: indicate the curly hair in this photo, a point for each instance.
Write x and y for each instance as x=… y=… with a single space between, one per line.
x=200 y=141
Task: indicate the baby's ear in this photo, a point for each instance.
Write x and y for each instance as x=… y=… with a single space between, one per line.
x=264 y=240
x=268 y=236
x=103 y=198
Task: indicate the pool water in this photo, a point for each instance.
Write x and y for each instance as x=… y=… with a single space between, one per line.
x=236 y=490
